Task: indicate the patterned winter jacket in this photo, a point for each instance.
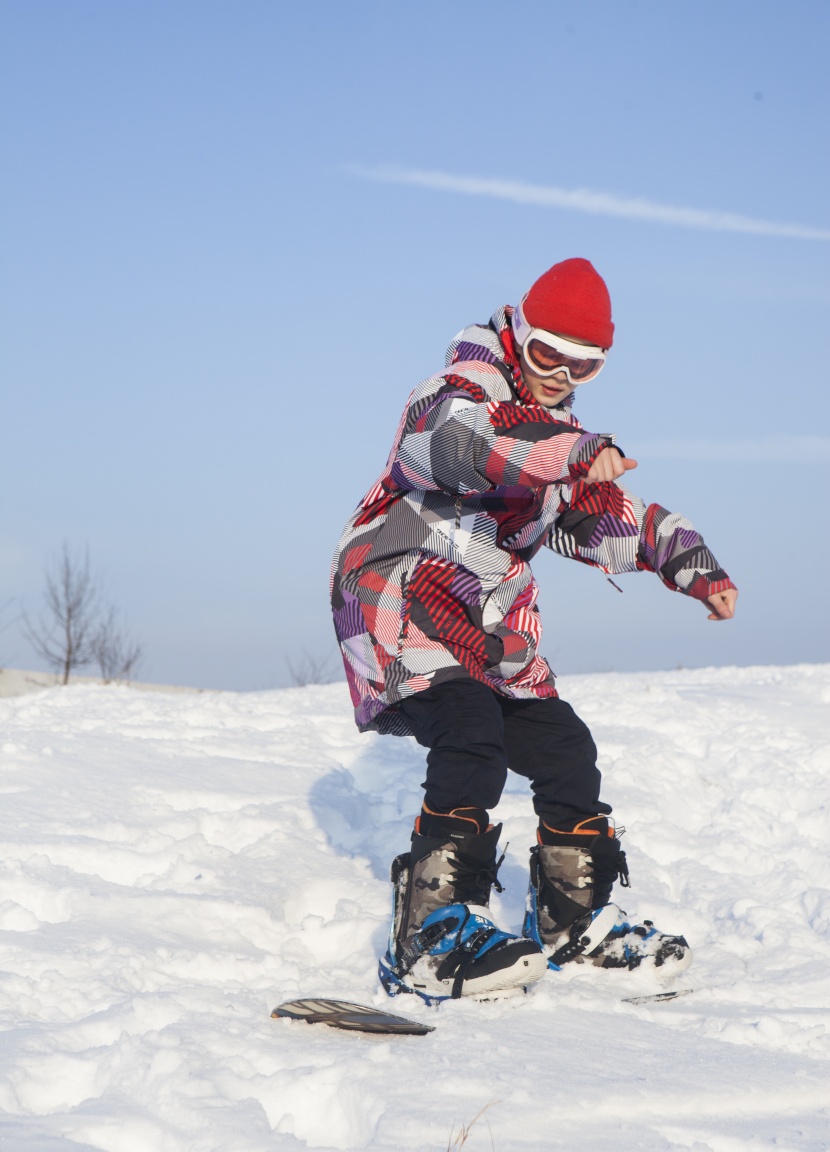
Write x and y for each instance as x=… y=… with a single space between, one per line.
x=431 y=580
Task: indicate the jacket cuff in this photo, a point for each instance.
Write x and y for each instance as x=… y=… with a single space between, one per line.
x=702 y=588
x=584 y=453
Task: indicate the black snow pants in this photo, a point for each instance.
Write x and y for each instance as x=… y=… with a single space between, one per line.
x=474 y=735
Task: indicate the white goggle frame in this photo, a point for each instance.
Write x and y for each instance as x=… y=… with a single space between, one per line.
x=524 y=334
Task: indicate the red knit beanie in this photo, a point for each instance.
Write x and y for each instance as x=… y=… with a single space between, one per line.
x=571 y=298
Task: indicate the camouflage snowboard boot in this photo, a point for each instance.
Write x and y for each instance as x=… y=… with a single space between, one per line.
x=443 y=943
x=572 y=872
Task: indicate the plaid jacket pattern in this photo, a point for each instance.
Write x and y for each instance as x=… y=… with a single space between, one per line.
x=431 y=579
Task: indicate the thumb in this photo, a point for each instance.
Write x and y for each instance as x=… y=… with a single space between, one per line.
x=720 y=606
x=628 y=464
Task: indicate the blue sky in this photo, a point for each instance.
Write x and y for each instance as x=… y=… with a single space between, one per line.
x=225 y=268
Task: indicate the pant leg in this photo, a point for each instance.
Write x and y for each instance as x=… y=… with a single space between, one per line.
x=546 y=741
x=461 y=724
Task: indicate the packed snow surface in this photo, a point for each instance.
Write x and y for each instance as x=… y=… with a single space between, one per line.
x=175 y=866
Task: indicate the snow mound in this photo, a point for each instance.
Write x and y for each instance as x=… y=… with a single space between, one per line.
x=175 y=866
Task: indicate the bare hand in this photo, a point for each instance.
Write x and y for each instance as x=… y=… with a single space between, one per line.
x=609 y=465
x=723 y=604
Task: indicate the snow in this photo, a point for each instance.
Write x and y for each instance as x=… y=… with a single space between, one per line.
x=176 y=865
x=19 y=682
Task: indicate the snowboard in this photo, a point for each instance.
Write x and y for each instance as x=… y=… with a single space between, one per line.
x=360 y=1018
x=657 y=997
x=350 y=1017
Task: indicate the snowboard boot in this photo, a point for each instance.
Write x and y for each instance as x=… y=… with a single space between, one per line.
x=572 y=872
x=443 y=944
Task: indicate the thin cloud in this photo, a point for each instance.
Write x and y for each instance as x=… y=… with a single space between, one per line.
x=583 y=200
x=794 y=451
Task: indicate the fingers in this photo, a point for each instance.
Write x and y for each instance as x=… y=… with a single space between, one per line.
x=608 y=466
x=719 y=609
x=723 y=604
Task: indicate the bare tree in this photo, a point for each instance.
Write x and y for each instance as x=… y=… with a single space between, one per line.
x=307 y=669
x=116 y=653
x=64 y=634
x=4 y=627
x=76 y=627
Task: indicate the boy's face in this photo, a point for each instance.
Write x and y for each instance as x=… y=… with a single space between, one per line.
x=548 y=390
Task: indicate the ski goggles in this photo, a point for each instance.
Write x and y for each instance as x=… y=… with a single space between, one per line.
x=547 y=353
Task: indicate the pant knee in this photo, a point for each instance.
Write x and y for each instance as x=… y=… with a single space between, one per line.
x=461 y=724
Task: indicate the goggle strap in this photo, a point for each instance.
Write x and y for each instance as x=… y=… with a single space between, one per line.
x=523 y=331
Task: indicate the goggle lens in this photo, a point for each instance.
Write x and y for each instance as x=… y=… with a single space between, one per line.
x=548 y=360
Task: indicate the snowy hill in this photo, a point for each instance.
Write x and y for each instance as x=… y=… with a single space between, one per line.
x=175 y=865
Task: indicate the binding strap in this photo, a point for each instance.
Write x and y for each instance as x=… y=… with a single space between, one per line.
x=600 y=927
x=423 y=941
x=470 y=949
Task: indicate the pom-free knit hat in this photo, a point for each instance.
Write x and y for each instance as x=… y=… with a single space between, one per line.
x=571 y=298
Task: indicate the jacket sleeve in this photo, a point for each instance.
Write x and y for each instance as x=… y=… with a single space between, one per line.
x=457 y=441
x=612 y=529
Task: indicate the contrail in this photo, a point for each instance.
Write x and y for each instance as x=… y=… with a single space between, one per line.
x=583 y=200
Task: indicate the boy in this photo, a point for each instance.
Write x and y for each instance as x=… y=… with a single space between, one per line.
x=435 y=611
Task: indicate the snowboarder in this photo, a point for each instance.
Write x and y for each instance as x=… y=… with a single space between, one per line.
x=435 y=611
